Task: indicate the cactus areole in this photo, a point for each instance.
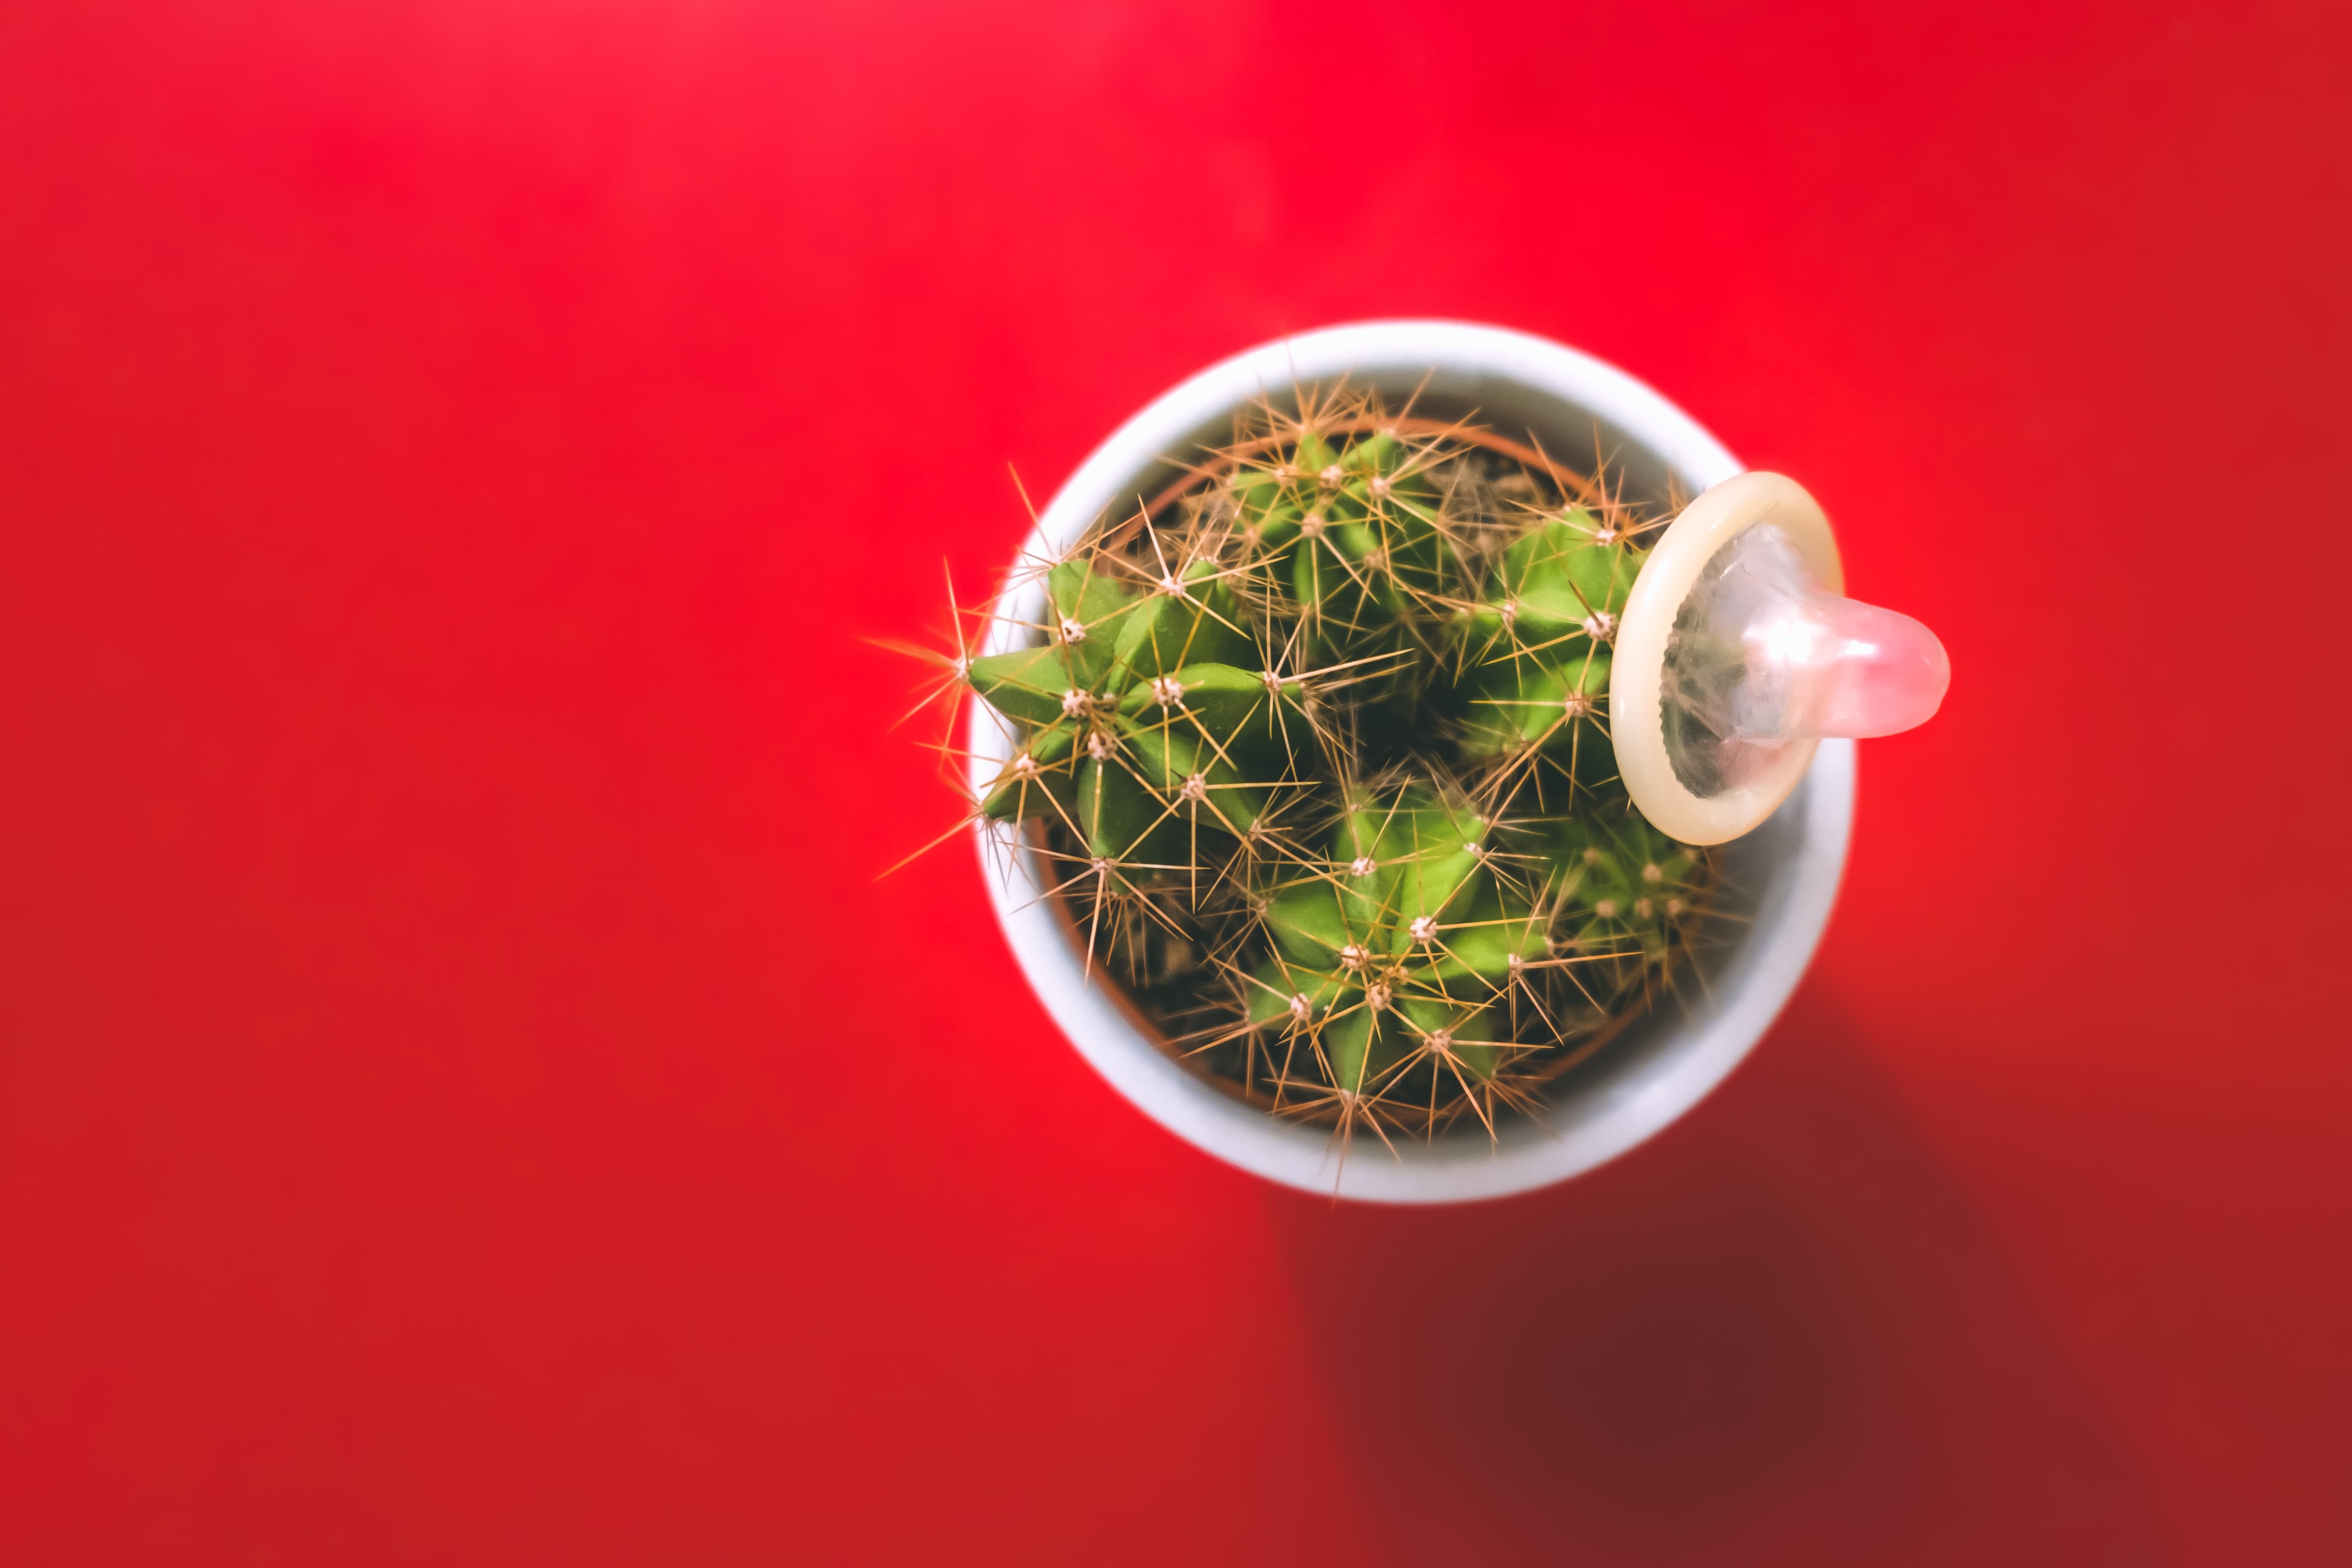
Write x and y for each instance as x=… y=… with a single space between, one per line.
x=1306 y=747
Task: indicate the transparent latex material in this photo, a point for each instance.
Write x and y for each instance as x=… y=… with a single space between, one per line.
x=1762 y=655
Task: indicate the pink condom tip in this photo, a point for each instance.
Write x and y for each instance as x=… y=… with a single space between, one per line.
x=1874 y=671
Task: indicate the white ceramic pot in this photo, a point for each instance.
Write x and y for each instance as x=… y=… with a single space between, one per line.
x=1780 y=879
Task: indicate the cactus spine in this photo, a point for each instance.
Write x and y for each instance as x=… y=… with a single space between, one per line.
x=1319 y=748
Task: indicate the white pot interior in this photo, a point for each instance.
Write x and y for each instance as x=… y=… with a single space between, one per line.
x=1779 y=880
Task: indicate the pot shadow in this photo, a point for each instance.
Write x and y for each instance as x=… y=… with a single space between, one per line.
x=1779 y=1331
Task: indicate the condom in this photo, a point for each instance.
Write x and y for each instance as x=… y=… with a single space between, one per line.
x=1738 y=653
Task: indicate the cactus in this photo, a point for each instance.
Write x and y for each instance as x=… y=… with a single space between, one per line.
x=1318 y=745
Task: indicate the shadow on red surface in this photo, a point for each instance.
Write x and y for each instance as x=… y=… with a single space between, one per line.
x=1779 y=1330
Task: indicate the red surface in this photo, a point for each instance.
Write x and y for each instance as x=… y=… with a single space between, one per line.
x=464 y=1096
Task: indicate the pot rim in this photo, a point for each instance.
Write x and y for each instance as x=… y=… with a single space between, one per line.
x=1808 y=837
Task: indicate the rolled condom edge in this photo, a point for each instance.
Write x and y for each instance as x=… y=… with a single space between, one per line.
x=1636 y=715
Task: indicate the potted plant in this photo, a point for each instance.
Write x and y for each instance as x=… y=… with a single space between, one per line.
x=1294 y=770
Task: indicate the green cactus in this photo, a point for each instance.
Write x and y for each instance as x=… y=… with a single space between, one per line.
x=1321 y=748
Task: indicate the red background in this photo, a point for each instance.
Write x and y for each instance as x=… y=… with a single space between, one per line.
x=464 y=1096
